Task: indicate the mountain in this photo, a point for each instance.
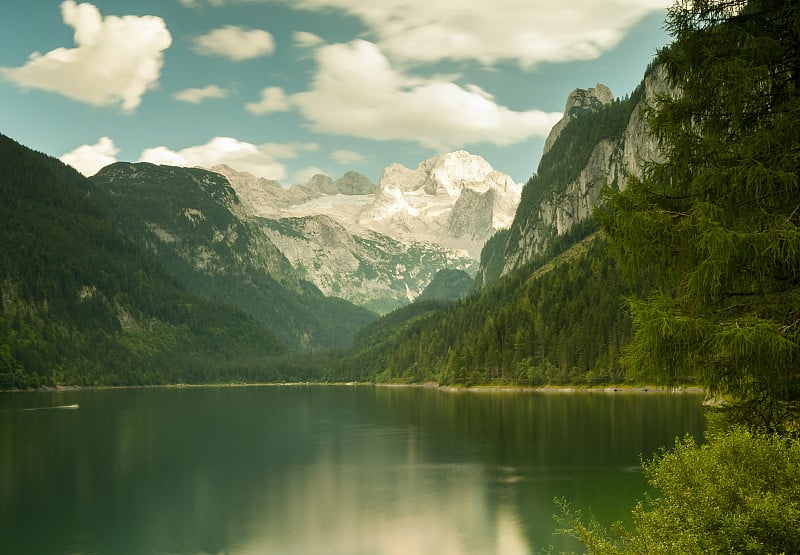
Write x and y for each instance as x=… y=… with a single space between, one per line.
x=268 y=198
x=448 y=285
x=192 y=220
x=380 y=246
x=558 y=323
x=367 y=268
x=600 y=141
x=457 y=200
x=82 y=304
x=548 y=307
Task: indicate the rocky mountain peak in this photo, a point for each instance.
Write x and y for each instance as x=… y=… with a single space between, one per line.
x=322 y=183
x=593 y=99
x=452 y=170
x=456 y=199
x=354 y=183
x=579 y=101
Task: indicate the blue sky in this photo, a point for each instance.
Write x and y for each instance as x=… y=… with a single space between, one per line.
x=287 y=88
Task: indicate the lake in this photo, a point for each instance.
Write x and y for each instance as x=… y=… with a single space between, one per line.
x=333 y=470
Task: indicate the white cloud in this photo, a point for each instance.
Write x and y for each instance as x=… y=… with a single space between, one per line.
x=357 y=92
x=89 y=159
x=236 y=43
x=196 y=96
x=273 y=99
x=115 y=61
x=528 y=31
x=346 y=157
x=304 y=39
x=288 y=150
x=260 y=160
x=302 y=176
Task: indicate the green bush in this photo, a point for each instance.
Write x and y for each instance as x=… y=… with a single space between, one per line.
x=737 y=493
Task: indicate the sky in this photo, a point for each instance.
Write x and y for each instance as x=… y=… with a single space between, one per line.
x=285 y=89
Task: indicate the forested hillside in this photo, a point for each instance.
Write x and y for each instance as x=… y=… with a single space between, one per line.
x=189 y=219
x=560 y=317
x=551 y=322
x=80 y=304
x=447 y=285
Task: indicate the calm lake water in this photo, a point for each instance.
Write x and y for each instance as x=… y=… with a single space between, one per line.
x=320 y=470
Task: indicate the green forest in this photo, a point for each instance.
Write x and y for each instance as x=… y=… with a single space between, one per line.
x=559 y=323
x=80 y=304
x=689 y=274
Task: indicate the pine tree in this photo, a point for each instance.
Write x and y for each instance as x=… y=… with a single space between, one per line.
x=717 y=223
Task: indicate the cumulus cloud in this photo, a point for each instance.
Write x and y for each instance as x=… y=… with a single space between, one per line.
x=260 y=160
x=346 y=157
x=273 y=99
x=356 y=91
x=304 y=39
x=89 y=159
x=235 y=43
x=528 y=31
x=115 y=61
x=196 y=96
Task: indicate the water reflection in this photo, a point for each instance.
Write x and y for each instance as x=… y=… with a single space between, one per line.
x=319 y=470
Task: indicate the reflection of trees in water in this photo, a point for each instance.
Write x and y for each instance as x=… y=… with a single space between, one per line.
x=319 y=469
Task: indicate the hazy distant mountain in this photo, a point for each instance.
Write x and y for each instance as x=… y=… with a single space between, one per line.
x=456 y=200
x=364 y=267
x=380 y=246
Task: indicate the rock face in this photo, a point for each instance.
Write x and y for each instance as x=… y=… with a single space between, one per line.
x=579 y=101
x=368 y=269
x=456 y=199
x=380 y=246
x=268 y=198
x=558 y=199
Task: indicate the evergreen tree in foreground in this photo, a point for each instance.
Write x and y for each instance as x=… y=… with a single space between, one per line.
x=717 y=223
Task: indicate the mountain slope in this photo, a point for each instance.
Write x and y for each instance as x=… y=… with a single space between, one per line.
x=600 y=141
x=550 y=309
x=456 y=199
x=190 y=219
x=560 y=322
x=81 y=304
x=448 y=285
x=367 y=268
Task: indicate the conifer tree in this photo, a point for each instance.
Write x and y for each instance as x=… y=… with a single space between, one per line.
x=717 y=222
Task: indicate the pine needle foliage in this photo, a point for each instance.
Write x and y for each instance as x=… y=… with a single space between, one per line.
x=718 y=222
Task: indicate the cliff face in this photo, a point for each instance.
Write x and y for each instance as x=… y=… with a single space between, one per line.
x=366 y=268
x=456 y=200
x=599 y=141
x=379 y=246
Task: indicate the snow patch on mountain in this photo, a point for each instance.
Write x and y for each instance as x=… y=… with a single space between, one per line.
x=379 y=246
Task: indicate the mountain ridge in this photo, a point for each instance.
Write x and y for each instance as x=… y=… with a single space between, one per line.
x=191 y=219
x=402 y=231
x=81 y=304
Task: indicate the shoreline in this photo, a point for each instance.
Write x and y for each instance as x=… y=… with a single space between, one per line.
x=605 y=388
x=551 y=388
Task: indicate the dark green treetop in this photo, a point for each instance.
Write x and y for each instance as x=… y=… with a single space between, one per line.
x=717 y=222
